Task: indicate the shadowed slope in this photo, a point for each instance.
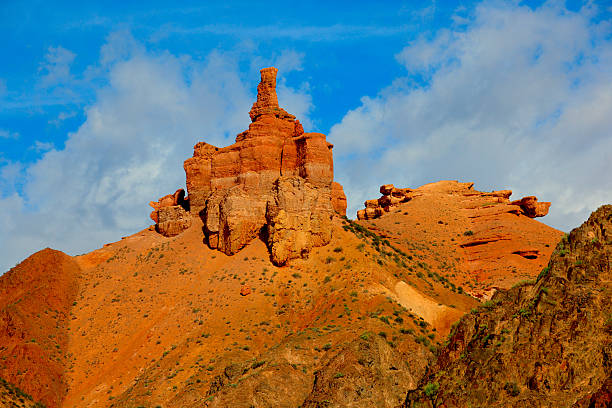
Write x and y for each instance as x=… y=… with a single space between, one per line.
x=544 y=344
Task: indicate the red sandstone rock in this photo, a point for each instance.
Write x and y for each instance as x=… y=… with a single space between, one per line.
x=338 y=198
x=178 y=198
x=170 y=215
x=299 y=217
x=531 y=207
x=237 y=189
x=245 y=290
x=391 y=198
x=386 y=189
x=172 y=220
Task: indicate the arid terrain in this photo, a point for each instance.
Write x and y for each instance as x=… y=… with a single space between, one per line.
x=254 y=289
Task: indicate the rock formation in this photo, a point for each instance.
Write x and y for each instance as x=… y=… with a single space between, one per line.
x=338 y=198
x=545 y=343
x=275 y=182
x=496 y=241
x=392 y=196
x=531 y=207
x=170 y=215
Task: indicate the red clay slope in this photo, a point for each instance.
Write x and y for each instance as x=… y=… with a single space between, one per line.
x=35 y=301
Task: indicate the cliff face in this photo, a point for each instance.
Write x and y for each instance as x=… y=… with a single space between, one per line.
x=545 y=343
x=275 y=182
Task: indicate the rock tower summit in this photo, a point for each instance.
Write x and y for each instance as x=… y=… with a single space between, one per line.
x=267 y=101
x=275 y=182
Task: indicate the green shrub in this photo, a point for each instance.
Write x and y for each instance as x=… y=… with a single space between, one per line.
x=512 y=389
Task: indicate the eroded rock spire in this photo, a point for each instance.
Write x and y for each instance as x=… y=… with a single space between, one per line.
x=275 y=182
x=267 y=101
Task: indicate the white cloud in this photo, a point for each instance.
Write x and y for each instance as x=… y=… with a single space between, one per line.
x=129 y=151
x=7 y=134
x=516 y=98
x=56 y=67
x=289 y=60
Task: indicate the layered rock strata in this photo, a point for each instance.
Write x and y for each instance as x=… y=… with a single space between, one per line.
x=392 y=197
x=275 y=182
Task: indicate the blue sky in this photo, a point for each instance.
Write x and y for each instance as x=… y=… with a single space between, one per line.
x=101 y=102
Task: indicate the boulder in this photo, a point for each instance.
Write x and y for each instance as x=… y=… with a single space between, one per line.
x=178 y=198
x=531 y=207
x=172 y=220
x=245 y=290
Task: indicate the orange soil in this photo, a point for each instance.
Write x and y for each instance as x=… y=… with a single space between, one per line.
x=156 y=319
x=476 y=240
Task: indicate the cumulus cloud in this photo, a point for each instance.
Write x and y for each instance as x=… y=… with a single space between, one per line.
x=128 y=151
x=513 y=97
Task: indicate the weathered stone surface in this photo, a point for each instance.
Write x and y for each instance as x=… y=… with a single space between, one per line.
x=299 y=217
x=338 y=198
x=391 y=197
x=245 y=290
x=172 y=220
x=531 y=207
x=230 y=187
x=178 y=198
x=540 y=344
x=241 y=219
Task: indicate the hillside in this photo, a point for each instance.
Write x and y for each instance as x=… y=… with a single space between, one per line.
x=482 y=240
x=559 y=325
x=254 y=288
x=13 y=397
x=36 y=298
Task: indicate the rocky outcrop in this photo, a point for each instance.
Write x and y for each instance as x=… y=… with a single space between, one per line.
x=172 y=220
x=253 y=188
x=531 y=207
x=495 y=243
x=545 y=343
x=338 y=198
x=178 y=198
x=170 y=214
x=391 y=197
x=298 y=217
